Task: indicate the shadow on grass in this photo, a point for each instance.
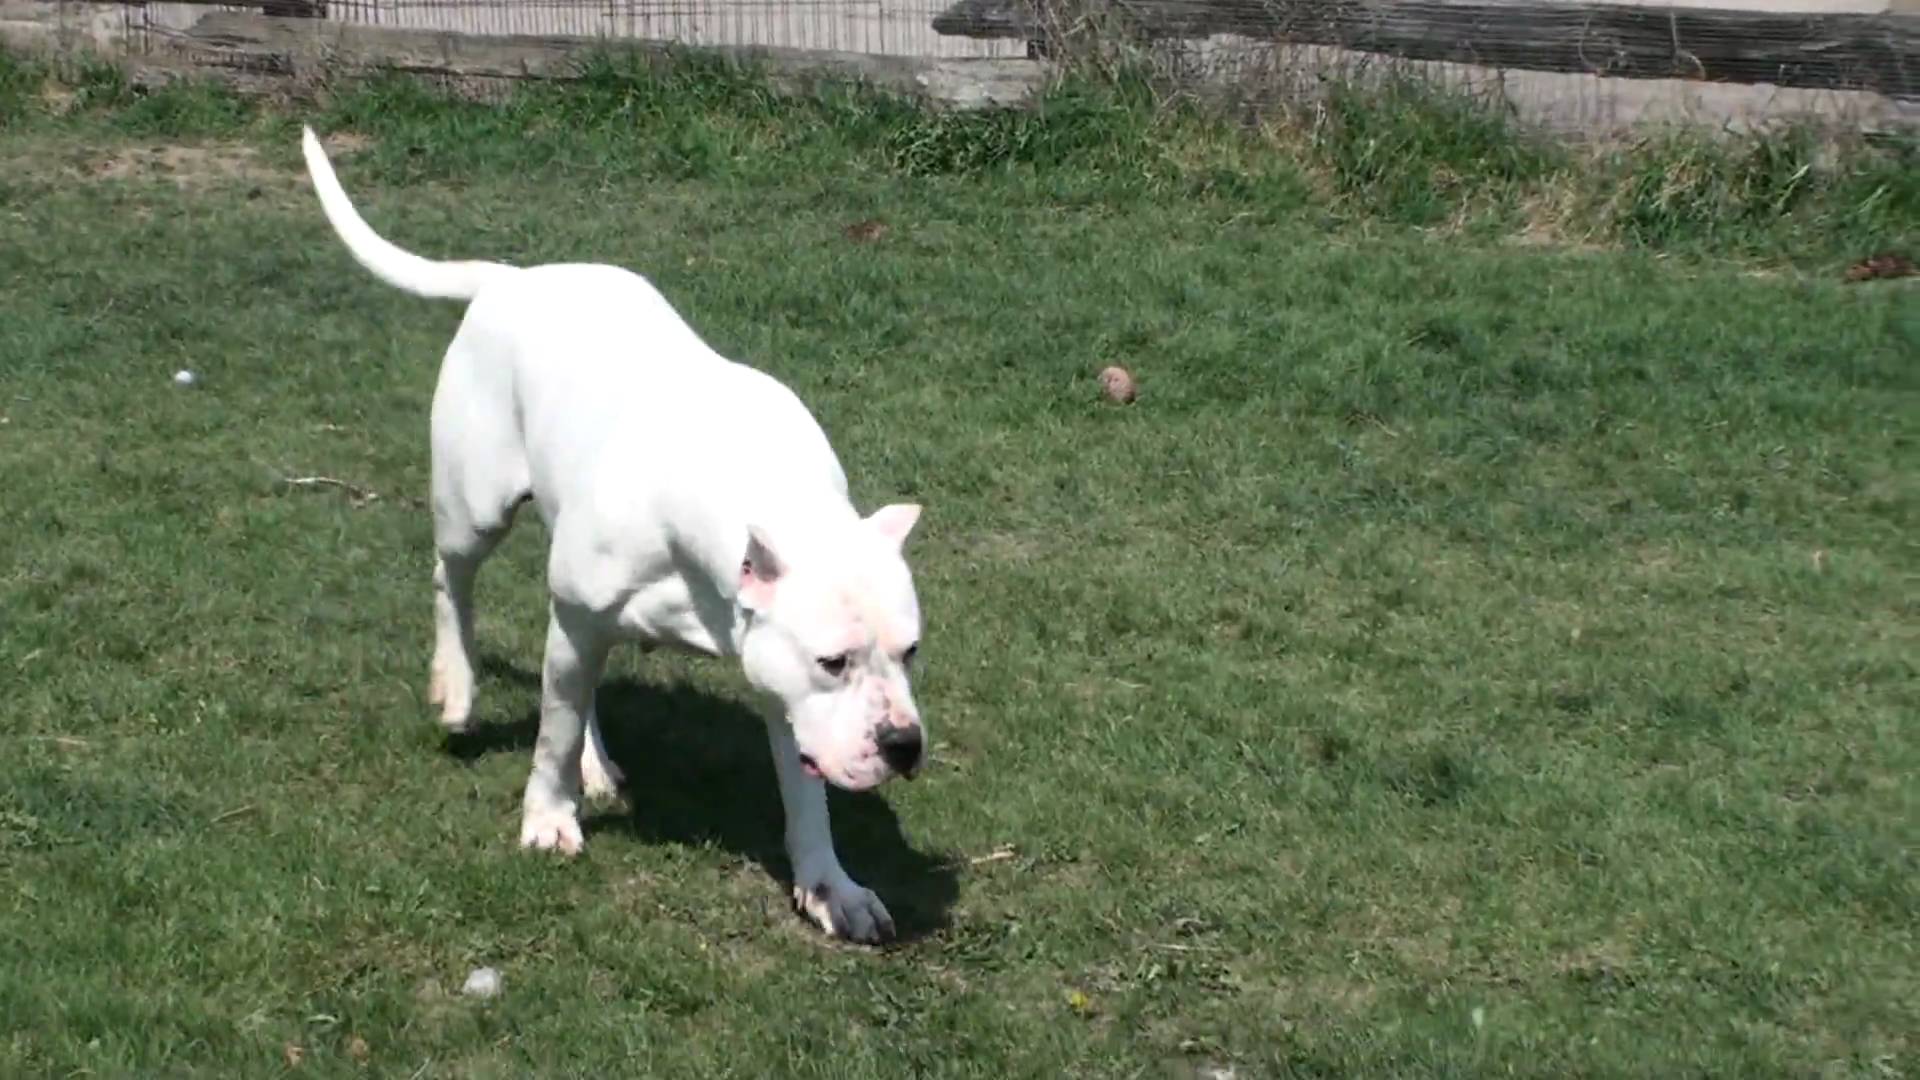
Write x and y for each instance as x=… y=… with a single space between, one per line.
x=699 y=772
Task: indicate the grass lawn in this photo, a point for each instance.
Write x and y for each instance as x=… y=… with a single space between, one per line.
x=1466 y=657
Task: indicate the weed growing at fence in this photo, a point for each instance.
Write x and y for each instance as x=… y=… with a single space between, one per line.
x=1763 y=192
x=1413 y=153
x=18 y=83
x=1393 y=149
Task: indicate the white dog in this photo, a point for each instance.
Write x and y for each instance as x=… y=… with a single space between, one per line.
x=691 y=501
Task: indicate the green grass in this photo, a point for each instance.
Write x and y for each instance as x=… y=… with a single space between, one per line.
x=1466 y=657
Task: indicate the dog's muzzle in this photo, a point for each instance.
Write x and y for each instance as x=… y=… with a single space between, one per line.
x=901 y=748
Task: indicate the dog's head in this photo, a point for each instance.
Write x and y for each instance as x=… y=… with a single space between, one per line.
x=833 y=628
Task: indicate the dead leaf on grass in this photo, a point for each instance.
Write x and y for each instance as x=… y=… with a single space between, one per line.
x=1887 y=264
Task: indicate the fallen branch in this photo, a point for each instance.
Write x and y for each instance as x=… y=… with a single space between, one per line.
x=356 y=495
x=68 y=742
x=1169 y=946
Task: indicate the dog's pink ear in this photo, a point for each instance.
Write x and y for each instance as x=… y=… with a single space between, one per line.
x=758 y=571
x=896 y=521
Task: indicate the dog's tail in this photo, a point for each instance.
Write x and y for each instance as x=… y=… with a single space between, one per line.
x=401 y=269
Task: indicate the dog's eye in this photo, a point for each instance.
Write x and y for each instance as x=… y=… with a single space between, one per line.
x=906 y=658
x=835 y=666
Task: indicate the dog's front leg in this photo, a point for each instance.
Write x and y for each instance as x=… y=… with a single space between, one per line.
x=577 y=647
x=821 y=889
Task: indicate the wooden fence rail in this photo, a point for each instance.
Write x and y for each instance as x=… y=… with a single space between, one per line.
x=1819 y=51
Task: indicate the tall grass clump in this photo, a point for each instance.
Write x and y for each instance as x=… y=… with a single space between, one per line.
x=35 y=87
x=1411 y=151
x=1079 y=124
x=1762 y=192
x=20 y=81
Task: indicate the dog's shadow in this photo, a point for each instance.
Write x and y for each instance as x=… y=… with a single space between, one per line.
x=698 y=771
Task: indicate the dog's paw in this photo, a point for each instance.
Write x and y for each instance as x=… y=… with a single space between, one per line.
x=452 y=691
x=551 y=830
x=845 y=909
x=599 y=776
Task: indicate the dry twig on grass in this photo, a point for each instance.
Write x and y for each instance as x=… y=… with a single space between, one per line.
x=356 y=495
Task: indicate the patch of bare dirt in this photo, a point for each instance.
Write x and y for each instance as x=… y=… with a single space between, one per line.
x=345 y=142
x=186 y=166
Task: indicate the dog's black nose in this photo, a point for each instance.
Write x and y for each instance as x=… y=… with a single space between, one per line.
x=900 y=747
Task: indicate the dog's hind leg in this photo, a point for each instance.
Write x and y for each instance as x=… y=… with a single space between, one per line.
x=480 y=478
x=450 y=678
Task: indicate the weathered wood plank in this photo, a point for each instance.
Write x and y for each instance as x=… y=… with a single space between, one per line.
x=1824 y=51
x=285 y=9
x=249 y=45
x=895 y=27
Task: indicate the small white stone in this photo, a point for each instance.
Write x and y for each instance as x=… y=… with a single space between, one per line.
x=482 y=983
x=183 y=377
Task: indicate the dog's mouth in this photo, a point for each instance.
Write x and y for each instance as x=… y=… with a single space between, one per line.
x=810 y=766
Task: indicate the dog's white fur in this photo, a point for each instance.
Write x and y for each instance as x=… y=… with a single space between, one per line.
x=691 y=501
